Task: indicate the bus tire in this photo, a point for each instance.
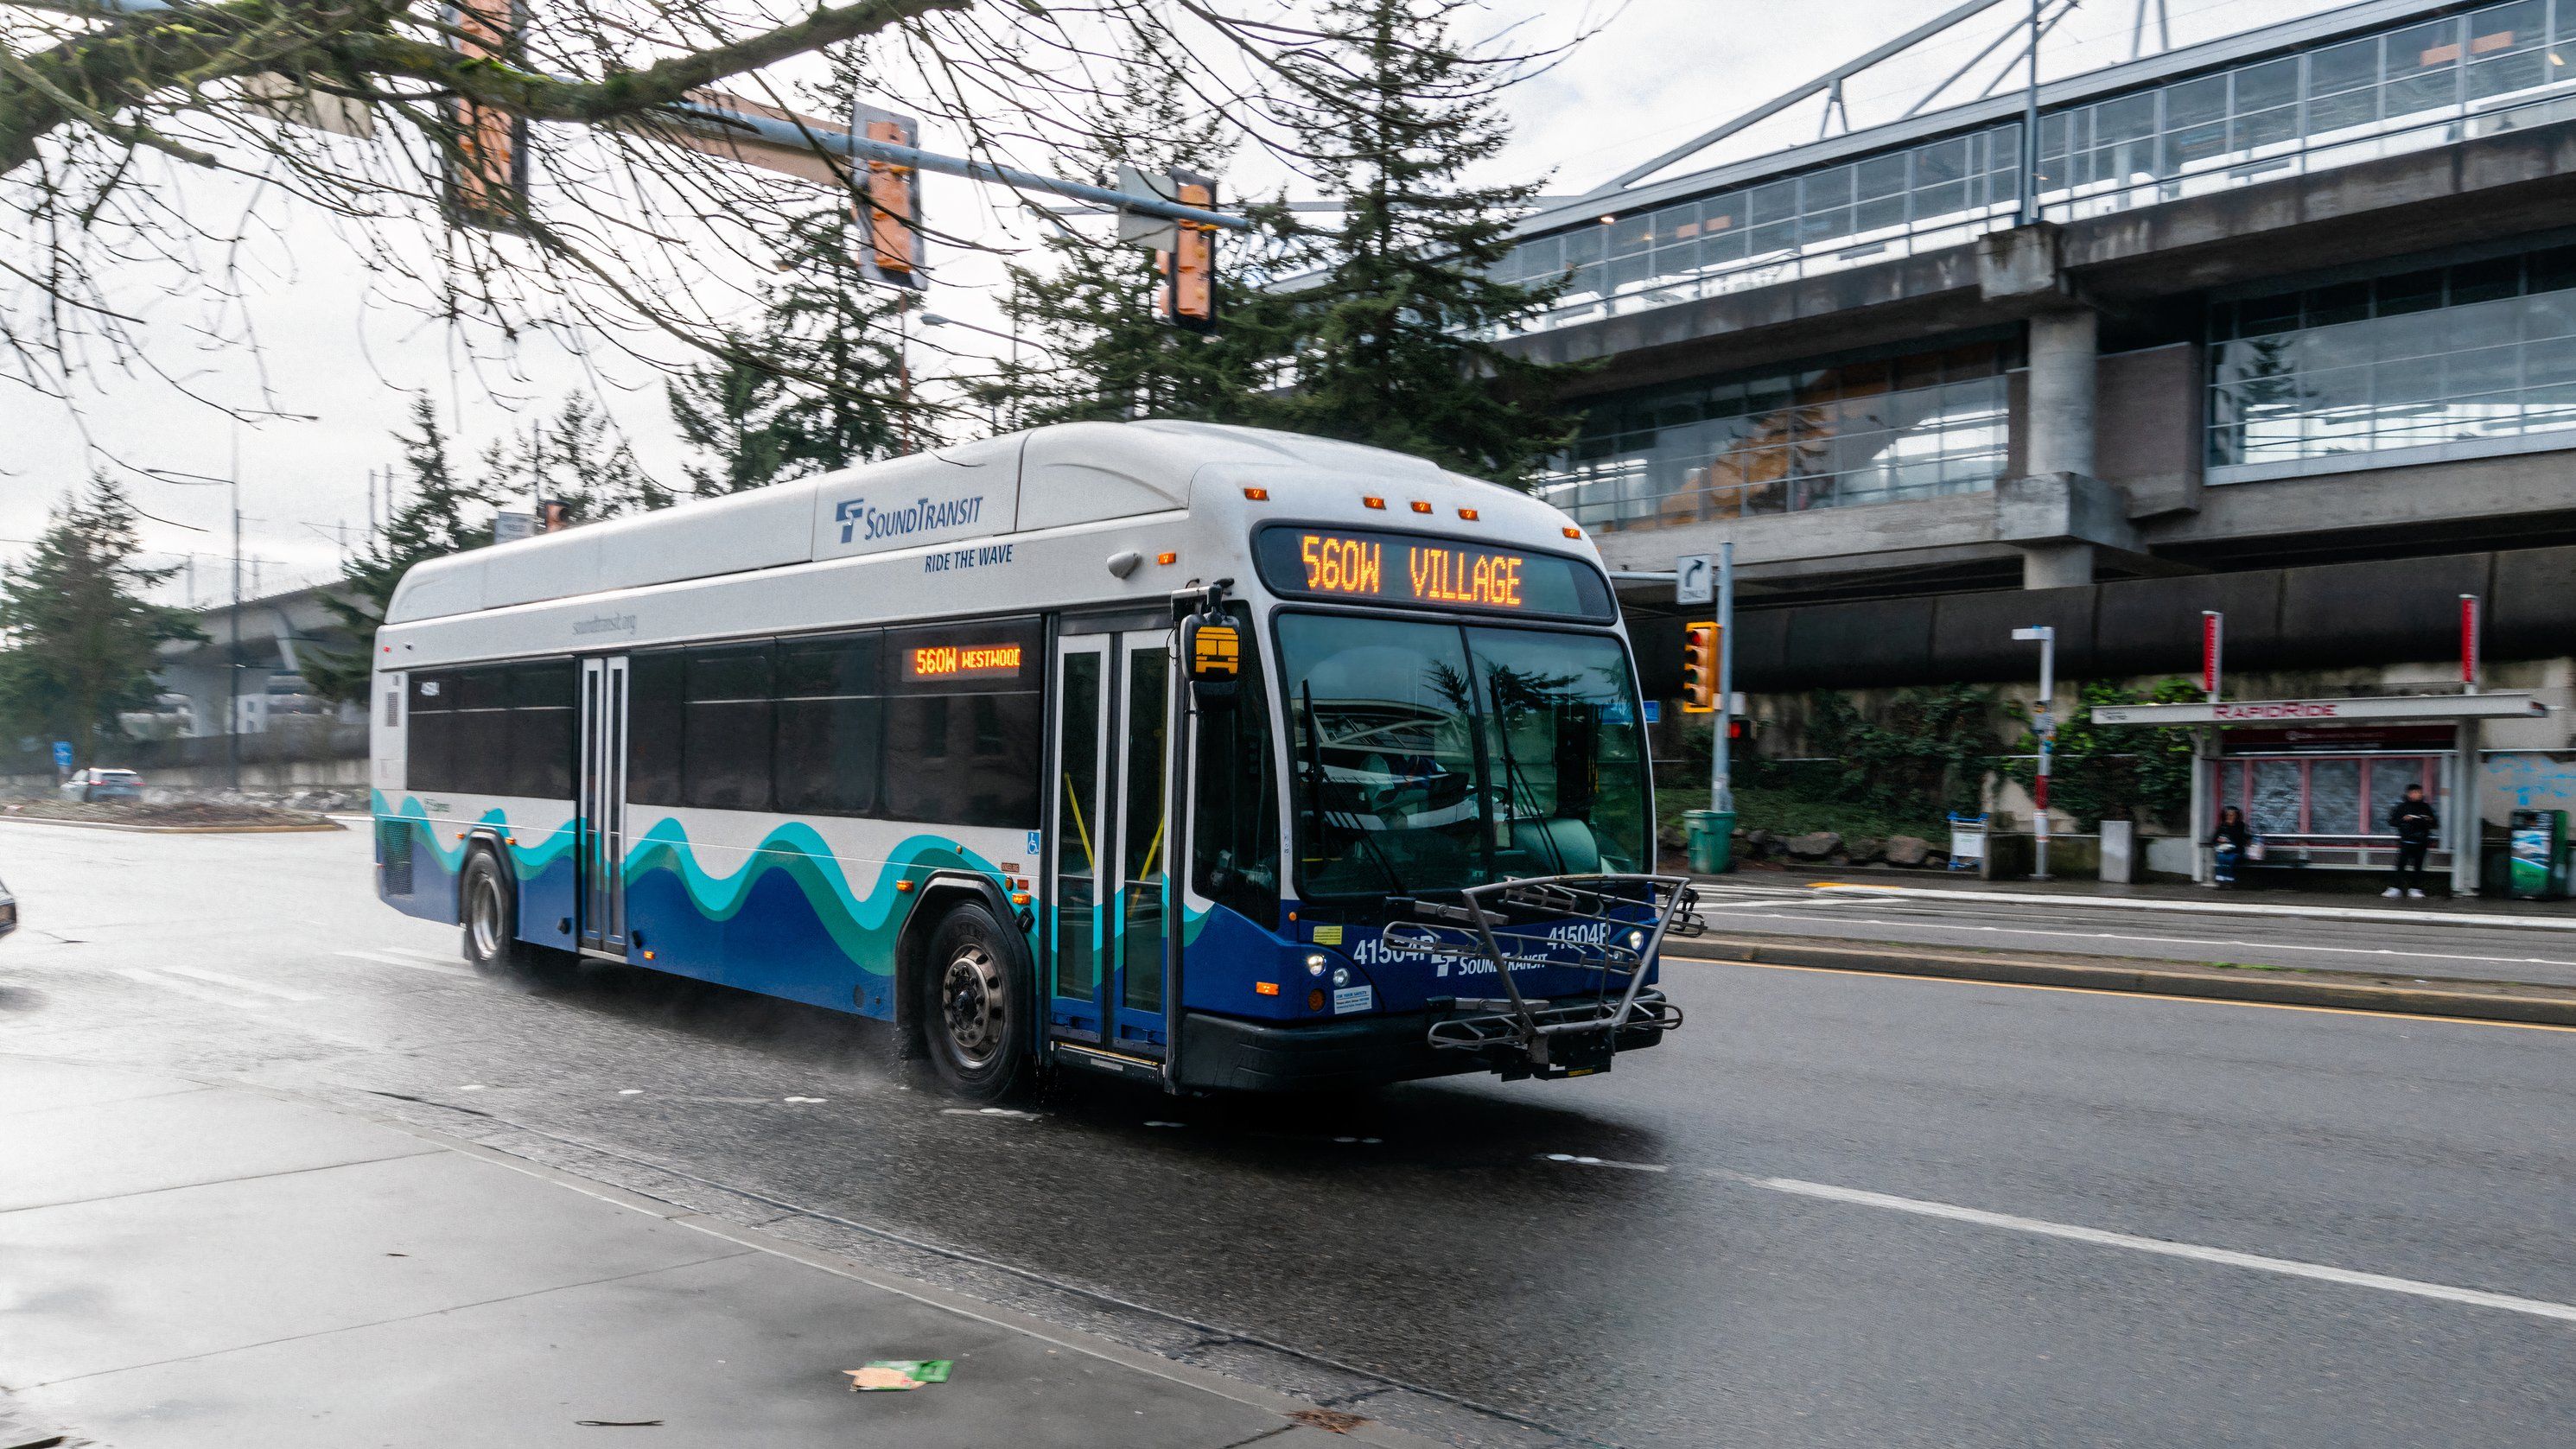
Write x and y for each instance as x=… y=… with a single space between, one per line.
x=487 y=906
x=975 y=1005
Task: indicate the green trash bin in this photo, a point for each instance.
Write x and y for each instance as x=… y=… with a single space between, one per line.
x=1712 y=840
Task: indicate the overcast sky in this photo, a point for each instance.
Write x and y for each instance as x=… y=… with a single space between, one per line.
x=1656 y=72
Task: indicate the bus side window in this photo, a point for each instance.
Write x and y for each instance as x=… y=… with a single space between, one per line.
x=540 y=763
x=725 y=744
x=1234 y=844
x=430 y=749
x=964 y=723
x=831 y=725
x=654 y=687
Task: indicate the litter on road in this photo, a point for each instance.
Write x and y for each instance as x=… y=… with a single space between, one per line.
x=889 y=1374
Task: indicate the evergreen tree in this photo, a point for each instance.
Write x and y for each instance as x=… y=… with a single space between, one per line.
x=78 y=637
x=815 y=385
x=439 y=515
x=578 y=459
x=1394 y=346
x=1102 y=351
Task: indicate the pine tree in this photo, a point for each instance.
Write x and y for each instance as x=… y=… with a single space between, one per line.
x=1100 y=351
x=1395 y=343
x=578 y=459
x=815 y=385
x=439 y=515
x=78 y=637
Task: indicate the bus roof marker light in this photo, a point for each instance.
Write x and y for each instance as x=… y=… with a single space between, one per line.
x=1421 y=507
x=1468 y=514
x=1370 y=500
x=1257 y=495
x=1572 y=532
x=1167 y=557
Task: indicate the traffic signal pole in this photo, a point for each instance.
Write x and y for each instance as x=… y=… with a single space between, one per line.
x=1721 y=792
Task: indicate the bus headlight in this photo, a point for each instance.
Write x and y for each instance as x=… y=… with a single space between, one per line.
x=1636 y=940
x=1341 y=976
x=1315 y=964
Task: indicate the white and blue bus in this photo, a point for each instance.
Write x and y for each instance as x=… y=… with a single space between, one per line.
x=1220 y=758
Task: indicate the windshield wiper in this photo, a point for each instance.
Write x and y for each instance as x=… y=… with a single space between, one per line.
x=1315 y=773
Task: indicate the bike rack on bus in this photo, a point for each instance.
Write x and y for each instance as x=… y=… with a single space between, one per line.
x=1518 y=923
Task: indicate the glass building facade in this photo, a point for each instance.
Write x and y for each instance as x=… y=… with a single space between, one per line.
x=2408 y=87
x=2470 y=359
x=1888 y=431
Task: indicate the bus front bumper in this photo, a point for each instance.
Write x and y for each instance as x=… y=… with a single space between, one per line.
x=1229 y=1054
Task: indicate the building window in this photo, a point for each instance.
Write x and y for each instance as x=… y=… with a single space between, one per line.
x=2413 y=86
x=1880 y=432
x=2465 y=360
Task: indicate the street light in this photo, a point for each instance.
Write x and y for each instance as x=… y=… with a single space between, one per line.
x=2045 y=726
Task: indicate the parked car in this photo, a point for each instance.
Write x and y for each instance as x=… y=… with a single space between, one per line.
x=100 y=784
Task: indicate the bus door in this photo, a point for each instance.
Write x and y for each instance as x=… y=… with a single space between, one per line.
x=1108 y=841
x=600 y=837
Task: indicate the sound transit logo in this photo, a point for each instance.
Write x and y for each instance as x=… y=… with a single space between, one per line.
x=860 y=522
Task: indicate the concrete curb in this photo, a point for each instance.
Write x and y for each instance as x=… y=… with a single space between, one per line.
x=2469 y=1000
x=172 y=829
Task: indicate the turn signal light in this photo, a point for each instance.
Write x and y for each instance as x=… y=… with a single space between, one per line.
x=1573 y=532
x=902 y=887
x=1265 y=988
x=1314 y=1001
x=1019 y=898
x=1165 y=558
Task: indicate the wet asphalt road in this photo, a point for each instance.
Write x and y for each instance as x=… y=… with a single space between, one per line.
x=1835 y=1210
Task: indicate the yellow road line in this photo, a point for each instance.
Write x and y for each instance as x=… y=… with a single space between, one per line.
x=1671 y=957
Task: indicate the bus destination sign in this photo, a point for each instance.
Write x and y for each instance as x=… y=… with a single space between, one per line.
x=1427 y=573
x=962 y=661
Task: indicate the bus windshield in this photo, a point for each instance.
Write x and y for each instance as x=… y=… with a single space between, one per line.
x=1434 y=756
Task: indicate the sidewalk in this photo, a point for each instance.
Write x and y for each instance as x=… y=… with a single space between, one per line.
x=210 y=1266
x=2175 y=895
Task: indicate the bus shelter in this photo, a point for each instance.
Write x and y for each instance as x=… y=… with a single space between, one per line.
x=2317 y=776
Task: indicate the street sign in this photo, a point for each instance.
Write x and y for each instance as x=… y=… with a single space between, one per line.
x=1654 y=711
x=62 y=754
x=509 y=527
x=1694 y=579
x=1135 y=229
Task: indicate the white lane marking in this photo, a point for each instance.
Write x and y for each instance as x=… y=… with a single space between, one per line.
x=1580 y=1161
x=183 y=988
x=1011 y=1112
x=239 y=983
x=1922 y=924
x=2210 y=908
x=2227 y=1257
x=804 y=1099
x=383 y=958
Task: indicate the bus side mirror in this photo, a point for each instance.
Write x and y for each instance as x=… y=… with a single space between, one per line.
x=1213 y=649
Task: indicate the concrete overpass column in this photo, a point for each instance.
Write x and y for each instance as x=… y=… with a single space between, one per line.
x=2064 y=347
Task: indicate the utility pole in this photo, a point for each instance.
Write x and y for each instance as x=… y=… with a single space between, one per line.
x=233 y=664
x=2046 y=722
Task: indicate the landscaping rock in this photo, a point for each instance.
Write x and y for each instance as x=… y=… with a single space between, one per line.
x=1908 y=850
x=1865 y=849
x=1760 y=843
x=1814 y=846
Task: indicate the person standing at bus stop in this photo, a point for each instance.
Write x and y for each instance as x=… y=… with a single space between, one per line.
x=2414 y=821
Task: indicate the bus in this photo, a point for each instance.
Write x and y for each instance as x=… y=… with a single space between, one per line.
x=1213 y=757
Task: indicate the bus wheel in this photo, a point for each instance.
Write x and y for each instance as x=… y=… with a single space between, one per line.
x=974 y=1007
x=490 y=909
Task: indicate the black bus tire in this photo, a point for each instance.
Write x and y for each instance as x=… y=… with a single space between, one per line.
x=976 y=1005
x=487 y=907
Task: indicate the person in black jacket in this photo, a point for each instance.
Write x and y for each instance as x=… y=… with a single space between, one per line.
x=2230 y=843
x=2415 y=823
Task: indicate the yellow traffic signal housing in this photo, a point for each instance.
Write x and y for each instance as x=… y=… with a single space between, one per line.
x=1699 y=668
x=890 y=203
x=1189 y=269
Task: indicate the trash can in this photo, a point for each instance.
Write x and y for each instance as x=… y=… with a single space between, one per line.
x=1712 y=840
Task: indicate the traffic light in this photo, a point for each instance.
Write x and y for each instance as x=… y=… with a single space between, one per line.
x=1189 y=268
x=1699 y=668
x=890 y=203
x=487 y=171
